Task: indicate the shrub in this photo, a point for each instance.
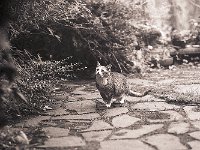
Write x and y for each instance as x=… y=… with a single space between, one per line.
x=37 y=79
x=87 y=30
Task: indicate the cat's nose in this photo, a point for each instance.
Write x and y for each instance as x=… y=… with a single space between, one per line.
x=99 y=73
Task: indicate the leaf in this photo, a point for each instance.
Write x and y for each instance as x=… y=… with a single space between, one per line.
x=51 y=31
x=22 y=138
x=58 y=38
x=47 y=108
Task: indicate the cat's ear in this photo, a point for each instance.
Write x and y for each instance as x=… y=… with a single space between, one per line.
x=98 y=64
x=109 y=67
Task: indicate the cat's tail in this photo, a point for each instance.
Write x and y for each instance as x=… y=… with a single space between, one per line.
x=137 y=94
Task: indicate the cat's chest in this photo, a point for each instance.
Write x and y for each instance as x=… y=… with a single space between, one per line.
x=104 y=83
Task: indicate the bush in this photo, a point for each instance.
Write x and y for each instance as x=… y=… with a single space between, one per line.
x=88 y=30
x=32 y=90
x=37 y=79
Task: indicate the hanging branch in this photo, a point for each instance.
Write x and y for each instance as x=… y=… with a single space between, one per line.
x=195 y=4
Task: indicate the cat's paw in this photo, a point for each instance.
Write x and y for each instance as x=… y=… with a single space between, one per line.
x=108 y=105
x=122 y=101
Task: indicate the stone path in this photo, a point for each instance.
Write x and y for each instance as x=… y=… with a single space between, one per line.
x=82 y=122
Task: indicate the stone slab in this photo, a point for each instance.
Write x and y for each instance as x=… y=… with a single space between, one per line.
x=115 y=111
x=55 y=132
x=33 y=122
x=57 y=112
x=81 y=107
x=90 y=116
x=135 y=133
x=63 y=142
x=124 y=145
x=191 y=113
x=194 y=145
x=192 y=89
x=173 y=116
x=147 y=98
x=195 y=135
x=165 y=142
x=137 y=81
x=154 y=106
x=99 y=125
x=196 y=124
x=124 y=121
x=89 y=95
x=96 y=135
x=179 y=127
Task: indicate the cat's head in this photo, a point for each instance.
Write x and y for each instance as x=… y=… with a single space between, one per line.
x=103 y=71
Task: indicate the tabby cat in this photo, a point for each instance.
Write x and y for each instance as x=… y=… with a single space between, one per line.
x=112 y=85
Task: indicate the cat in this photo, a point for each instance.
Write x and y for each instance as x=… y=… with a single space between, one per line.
x=112 y=85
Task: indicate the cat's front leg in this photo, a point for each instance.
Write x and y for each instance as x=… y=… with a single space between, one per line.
x=122 y=99
x=108 y=105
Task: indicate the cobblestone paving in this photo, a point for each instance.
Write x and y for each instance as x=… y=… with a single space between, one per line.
x=148 y=123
